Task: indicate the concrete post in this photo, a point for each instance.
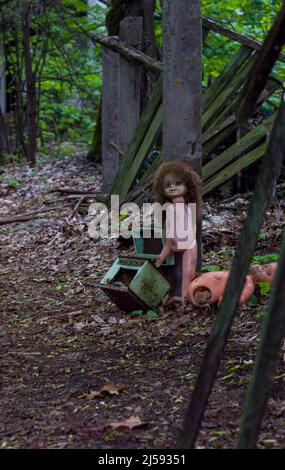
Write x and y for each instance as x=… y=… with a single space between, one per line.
x=131 y=32
x=110 y=128
x=182 y=84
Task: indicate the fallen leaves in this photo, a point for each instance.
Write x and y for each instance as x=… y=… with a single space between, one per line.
x=107 y=389
x=130 y=423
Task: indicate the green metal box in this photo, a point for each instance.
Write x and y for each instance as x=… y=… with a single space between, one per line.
x=134 y=283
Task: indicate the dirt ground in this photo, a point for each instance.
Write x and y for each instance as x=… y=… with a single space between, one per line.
x=62 y=340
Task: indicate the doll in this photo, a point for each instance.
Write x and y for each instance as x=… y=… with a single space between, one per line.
x=209 y=288
x=263 y=273
x=176 y=183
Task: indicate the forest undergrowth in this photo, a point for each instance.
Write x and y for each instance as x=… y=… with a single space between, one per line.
x=75 y=371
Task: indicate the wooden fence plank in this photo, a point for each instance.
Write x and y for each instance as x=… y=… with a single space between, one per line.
x=226 y=76
x=234 y=36
x=227 y=94
x=139 y=134
x=129 y=177
x=245 y=144
x=229 y=171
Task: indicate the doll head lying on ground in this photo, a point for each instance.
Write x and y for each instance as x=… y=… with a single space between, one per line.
x=209 y=287
x=264 y=272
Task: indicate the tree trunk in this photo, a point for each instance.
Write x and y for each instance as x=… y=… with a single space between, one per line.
x=31 y=92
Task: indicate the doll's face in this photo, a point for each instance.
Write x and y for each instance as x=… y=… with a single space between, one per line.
x=173 y=186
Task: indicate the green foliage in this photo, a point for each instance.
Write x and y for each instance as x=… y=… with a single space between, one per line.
x=62 y=286
x=264 y=287
x=211 y=268
x=262 y=315
x=253 y=300
x=262 y=237
x=252 y=18
x=11 y=181
x=66 y=65
x=264 y=259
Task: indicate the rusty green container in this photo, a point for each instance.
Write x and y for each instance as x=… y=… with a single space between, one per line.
x=134 y=283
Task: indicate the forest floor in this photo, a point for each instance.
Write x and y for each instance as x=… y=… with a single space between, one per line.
x=62 y=340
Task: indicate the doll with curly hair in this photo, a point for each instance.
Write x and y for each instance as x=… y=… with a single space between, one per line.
x=178 y=184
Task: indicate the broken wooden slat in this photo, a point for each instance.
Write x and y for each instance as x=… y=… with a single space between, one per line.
x=217 y=139
x=226 y=173
x=245 y=144
x=227 y=94
x=139 y=134
x=152 y=169
x=225 y=117
x=130 y=176
x=271 y=87
x=213 y=26
x=226 y=76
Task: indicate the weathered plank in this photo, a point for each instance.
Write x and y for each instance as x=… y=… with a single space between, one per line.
x=139 y=134
x=145 y=147
x=227 y=94
x=234 y=36
x=229 y=171
x=226 y=76
x=249 y=141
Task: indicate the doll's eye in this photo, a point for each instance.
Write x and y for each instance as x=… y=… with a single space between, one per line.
x=178 y=182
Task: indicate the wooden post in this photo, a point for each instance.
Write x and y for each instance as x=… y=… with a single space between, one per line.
x=131 y=32
x=110 y=129
x=182 y=87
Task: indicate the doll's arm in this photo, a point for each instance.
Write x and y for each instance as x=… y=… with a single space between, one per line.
x=166 y=251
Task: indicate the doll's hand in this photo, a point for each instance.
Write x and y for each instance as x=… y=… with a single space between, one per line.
x=159 y=261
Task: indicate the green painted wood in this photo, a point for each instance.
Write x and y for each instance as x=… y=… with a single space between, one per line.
x=139 y=134
x=130 y=175
x=226 y=76
x=217 y=139
x=271 y=86
x=227 y=94
x=152 y=169
x=226 y=173
x=244 y=144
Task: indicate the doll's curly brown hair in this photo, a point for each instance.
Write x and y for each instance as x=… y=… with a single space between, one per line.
x=185 y=172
